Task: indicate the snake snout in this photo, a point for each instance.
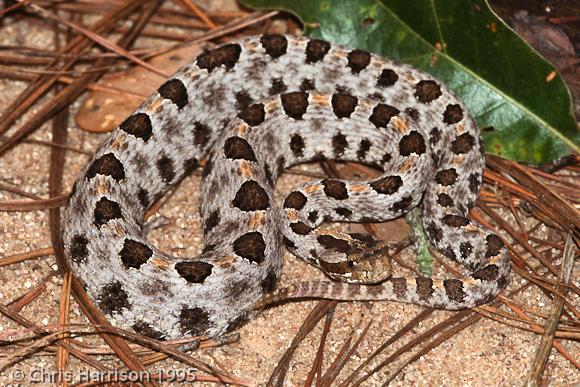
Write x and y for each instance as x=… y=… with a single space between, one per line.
x=367 y=261
x=373 y=265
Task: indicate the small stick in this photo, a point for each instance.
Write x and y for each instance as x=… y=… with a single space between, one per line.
x=537 y=370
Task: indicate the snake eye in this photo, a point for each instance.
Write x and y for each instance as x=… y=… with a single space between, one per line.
x=350 y=263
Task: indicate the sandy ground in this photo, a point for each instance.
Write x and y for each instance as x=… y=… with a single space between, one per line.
x=487 y=353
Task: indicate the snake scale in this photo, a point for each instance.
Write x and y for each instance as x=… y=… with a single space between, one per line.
x=252 y=108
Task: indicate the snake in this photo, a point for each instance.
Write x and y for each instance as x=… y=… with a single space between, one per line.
x=243 y=112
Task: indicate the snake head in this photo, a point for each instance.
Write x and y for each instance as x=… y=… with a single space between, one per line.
x=367 y=261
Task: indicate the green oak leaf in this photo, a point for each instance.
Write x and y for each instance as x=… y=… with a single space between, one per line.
x=515 y=95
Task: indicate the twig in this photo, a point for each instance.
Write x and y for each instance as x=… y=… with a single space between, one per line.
x=191 y=7
x=342 y=358
x=536 y=371
x=279 y=373
x=317 y=364
x=44 y=82
x=12 y=259
x=62 y=354
x=19 y=303
x=97 y=39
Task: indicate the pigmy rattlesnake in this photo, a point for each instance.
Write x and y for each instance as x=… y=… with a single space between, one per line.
x=255 y=107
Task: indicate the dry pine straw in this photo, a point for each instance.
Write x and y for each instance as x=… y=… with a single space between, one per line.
x=489 y=352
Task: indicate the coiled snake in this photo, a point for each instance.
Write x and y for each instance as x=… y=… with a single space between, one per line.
x=253 y=108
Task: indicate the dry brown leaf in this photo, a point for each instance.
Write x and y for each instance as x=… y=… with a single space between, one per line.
x=121 y=93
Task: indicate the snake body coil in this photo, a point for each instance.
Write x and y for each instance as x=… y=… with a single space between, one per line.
x=256 y=107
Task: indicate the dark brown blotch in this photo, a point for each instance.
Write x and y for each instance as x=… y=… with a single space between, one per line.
x=435 y=233
x=366 y=238
x=238 y=148
x=358 y=60
x=288 y=243
x=78 y=251
x=278 y=86
x=403 y=204
x=424 y=287
x=474 y=182
x=106 y=210
x=112 y=298
x=332 y=243
x=449 y=253
x=166 y=169
x=446 y=177
x=444 y=200
x=363 y=147
x=387 y=78
x=300 y=228
x=254 y=114
x=307 y=84
x=134 y=254
x=413 y=113
x=412 y=143
x=453 y=114
x=251 y=197
x=193 y=321
x=297 y=145
x=226 y=55
x=107 y=165
x=399 y=287
x=427 y=91
x=494 y=245
x=463 y=144
x=209 y=247
x=382 y=115
x=434 y=136
x=243 y=100
x=335 y=189
x=275 y=45
x=175 y=91
x=295 y=104
x=143 y=197
x=269 y=283
x=147 y=330
x=488 y=273
x=455 y=220
x=295 y=200
x=318 y=157
x=201 y=134
x=138 y=125
x=339 y=144
x=313 y=216
x=313 y=256
x=316 y=50
x=386 y=158
x=387 y=185
x=251 y=246
x=454 y=289
x=268 y=175
x=343 y=104
x=343 y=211
x=465 y=249
x=212 y=220
x=194 y=272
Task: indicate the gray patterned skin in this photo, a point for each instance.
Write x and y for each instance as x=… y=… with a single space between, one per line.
x=253 y=108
